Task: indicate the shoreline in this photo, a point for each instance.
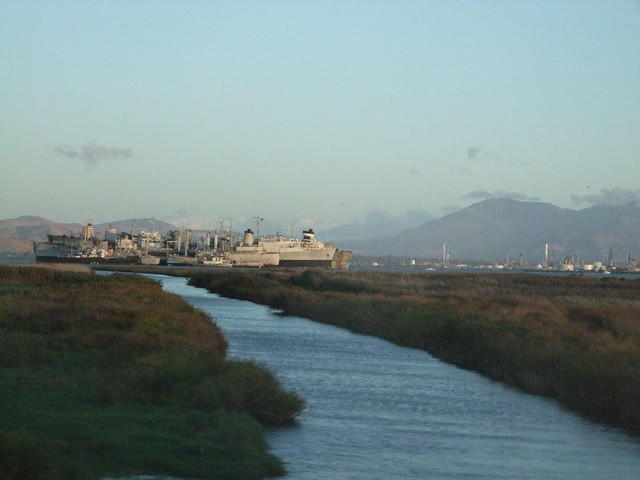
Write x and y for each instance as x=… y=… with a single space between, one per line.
x=574 y=339
x=110 y=375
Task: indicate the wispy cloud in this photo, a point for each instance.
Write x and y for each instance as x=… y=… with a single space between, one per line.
x=473 y=153
x=484 y=194
x=609 y=196
x=480 y=154
x=92 y=153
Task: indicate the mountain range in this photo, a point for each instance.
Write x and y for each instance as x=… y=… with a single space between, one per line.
x=485 y=231
x=493 y=228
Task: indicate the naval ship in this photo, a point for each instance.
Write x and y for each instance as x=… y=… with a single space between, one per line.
x=150 y=248
x=86 y=248
x=280 y=251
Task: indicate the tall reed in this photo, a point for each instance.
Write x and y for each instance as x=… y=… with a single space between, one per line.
x=574 y=339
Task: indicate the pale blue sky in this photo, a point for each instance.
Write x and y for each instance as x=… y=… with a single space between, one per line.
x=291 y=109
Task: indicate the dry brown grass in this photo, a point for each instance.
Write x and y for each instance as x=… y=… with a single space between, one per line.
x=61 y=267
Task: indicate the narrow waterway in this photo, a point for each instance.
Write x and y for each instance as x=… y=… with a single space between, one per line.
x=378 y=411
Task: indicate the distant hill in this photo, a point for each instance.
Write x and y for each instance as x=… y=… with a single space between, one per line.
x=34 y=228
x=17 y=234
x=484 y=231
x=489 y=229
x=11 y=245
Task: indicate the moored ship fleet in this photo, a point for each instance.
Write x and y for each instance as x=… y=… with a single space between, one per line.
x=179 y=247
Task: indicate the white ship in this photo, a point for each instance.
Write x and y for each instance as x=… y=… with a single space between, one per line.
x=288 y=252
x=151 y=248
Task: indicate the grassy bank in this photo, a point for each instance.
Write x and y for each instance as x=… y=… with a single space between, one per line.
x=111 y=375
x=574 y=339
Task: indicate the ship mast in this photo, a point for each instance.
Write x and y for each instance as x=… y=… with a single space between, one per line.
x=258 y=220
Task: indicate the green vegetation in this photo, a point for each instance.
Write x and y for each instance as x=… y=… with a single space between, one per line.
x=111 y=375
x=573 y=339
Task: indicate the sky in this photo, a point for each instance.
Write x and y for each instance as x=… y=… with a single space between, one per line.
x=322 y=110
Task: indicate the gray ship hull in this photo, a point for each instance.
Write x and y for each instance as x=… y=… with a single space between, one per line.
x=88 y=260
x=305 y=263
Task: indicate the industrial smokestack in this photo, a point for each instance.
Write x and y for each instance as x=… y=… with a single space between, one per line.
x=187 y=242
x=611 y=260
x=546 y=254
x=444 y=254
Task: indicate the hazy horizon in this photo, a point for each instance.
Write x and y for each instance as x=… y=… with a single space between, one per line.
x=321 y=111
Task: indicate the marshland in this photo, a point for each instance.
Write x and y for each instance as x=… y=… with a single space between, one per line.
x=109 y=375
x=573 y=339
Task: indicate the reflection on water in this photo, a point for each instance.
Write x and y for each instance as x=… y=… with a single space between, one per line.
x=378 y=411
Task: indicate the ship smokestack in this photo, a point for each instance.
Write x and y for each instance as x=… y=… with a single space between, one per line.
x=308 y=236
x=249 y=238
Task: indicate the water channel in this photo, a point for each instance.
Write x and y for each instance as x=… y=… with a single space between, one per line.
x=379 y=411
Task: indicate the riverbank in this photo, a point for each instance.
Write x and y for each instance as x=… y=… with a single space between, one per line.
x=109 y=375
x=573 y=339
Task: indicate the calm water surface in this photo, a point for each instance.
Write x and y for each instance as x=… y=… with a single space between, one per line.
x=378 y=411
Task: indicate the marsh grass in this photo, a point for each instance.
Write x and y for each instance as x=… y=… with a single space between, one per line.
x=111 y=375
x=574 y=339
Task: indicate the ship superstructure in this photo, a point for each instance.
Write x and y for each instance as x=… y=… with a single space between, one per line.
x=179 y=247
x=282 y=251
x=305 y=252
x=86 y=248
